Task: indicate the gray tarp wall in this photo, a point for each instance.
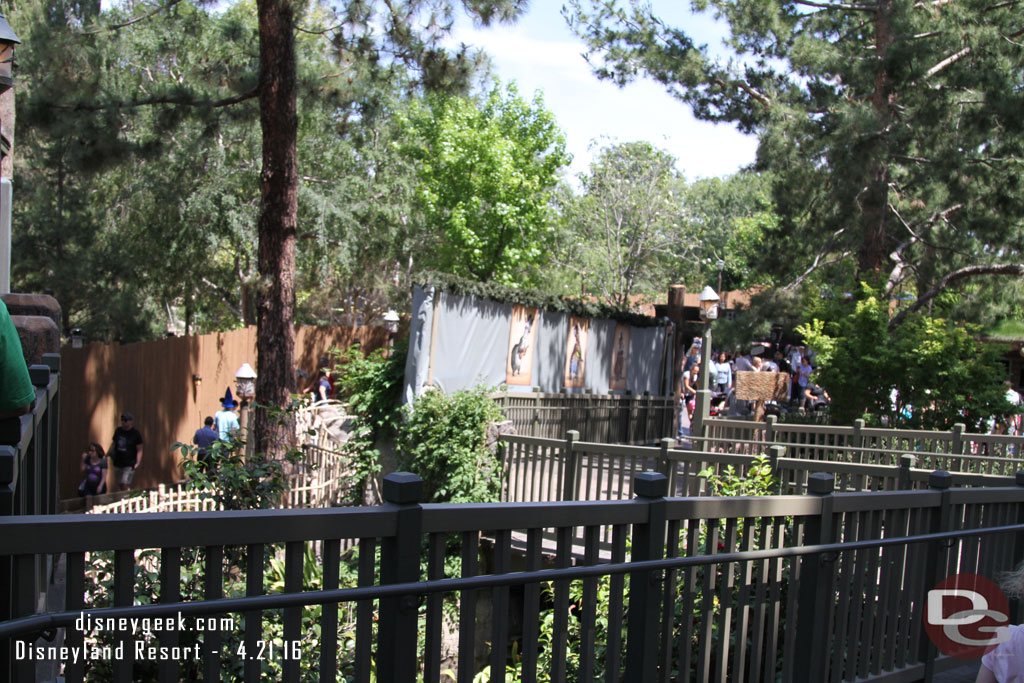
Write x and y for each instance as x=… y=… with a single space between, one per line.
x=470 y=340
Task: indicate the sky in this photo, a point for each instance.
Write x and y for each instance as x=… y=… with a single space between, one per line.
x=540 y=53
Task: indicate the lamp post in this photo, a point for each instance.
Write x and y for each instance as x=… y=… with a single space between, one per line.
x=245 y=389
x=708 y=312
x=391 y=325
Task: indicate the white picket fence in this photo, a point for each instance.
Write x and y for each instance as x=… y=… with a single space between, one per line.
x=323 y=478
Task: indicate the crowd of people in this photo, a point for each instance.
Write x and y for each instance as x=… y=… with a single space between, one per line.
x=796 y=361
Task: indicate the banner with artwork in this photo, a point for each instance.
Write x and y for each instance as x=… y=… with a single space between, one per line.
x=620 y=358
x=576 y=352
x=522 y=332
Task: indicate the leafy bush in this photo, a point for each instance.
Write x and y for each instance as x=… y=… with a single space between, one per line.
x=443 y=441
x=371 y=386
x=941 y=373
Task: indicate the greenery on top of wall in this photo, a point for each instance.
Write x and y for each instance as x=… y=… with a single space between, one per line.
x=453 y=284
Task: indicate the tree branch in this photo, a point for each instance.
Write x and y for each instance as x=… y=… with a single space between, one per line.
x=838 y=6
x=225 y=296
x=818 y=263
x=1016 y=269
x=761 y=98
x=163 y=99
x=948 y=61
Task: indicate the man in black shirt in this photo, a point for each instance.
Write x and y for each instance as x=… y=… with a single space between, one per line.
x=126 y=451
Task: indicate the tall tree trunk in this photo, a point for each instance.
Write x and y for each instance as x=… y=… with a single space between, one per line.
x=873 y=247
x=275 y=337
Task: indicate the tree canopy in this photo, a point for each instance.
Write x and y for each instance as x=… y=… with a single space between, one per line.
x=487 y=171
x=891 y=129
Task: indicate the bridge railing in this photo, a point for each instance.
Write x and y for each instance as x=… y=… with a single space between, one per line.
x=740 y=589
x=538 y=469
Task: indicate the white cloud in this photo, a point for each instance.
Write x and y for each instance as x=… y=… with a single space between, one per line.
x=589 y=109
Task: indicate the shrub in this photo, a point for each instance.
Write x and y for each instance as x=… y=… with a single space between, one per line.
x=443 y=441
x=371 y=387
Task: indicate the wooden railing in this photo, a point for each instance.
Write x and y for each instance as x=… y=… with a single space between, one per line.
x=738 y=589
x=321 y=479
x=537 y=469
x=606 y=418
x=989 y=453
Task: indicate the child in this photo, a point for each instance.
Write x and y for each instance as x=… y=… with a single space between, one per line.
x=94 y=469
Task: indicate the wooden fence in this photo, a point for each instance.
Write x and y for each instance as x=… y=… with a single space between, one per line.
x=935 y=450
x=322 y=479
x=154 y=381
x=538 y=469
x=606 y=418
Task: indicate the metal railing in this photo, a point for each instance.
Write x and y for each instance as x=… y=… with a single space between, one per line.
x=740 y=589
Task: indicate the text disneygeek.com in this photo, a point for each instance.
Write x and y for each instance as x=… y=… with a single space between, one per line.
x=146 y=628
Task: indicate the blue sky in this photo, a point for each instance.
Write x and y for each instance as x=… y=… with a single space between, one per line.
x=541 y=53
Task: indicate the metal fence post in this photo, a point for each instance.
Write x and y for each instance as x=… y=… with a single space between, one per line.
x=572 y=466
x=776 y=451
x=816 y=603
x=903 y=476
x=643 y=635
x=400 y=563
x=938 y=557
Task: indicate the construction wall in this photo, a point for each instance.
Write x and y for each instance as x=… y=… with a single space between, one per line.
x=153 y=381
x=462 y=341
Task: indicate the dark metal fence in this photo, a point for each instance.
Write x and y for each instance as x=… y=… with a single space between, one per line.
x=825 y=586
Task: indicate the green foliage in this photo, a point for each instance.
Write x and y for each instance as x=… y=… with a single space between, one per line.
x=759 y=479
x=627 y=225
x=942 y=373
x=443 y=440
x=371 y=387
x=487 y=170
x=532 y=297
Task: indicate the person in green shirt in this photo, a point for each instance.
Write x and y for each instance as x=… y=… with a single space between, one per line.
x=16 y=391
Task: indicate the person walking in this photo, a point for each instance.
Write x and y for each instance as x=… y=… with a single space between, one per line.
x=226 y=419
x=94 y=471
x=126 y=451
x=722 y=373
x=204 y=439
